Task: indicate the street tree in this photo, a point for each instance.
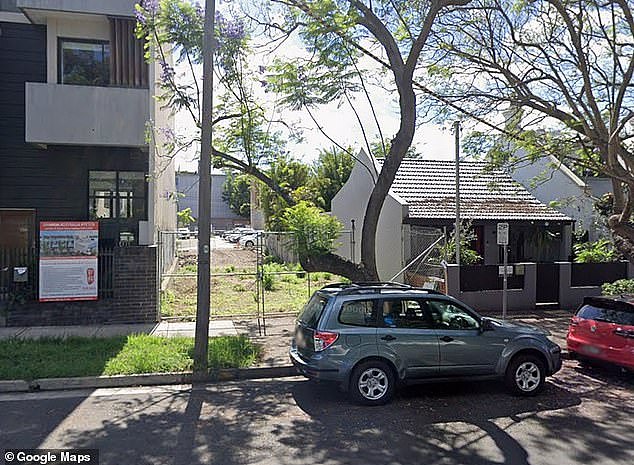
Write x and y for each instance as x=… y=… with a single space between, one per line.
x=244 y=139
x=336 y=35
x=563 y=72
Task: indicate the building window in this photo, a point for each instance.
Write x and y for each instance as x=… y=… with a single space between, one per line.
x=84 y=62
x=117 y=194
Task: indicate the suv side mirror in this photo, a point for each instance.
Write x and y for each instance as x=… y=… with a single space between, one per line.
x=486 y=325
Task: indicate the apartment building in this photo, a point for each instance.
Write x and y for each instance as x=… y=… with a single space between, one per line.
x=76 y=108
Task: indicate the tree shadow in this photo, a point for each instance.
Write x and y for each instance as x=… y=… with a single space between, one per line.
x=462 y=423
x=577 y=419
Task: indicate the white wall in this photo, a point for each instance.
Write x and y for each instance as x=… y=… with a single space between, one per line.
x=101 y=7
x=162 y=192
x=549 y=181
x=350 y=203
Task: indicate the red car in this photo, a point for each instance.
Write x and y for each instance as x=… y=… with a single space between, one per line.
x=603 y=329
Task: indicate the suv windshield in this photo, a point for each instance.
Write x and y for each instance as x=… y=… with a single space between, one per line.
x=312 y=311
x=609 y=315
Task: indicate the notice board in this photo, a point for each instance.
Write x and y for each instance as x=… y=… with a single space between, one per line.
x=68 y=260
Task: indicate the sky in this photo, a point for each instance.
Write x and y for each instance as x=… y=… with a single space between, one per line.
x=339 y=123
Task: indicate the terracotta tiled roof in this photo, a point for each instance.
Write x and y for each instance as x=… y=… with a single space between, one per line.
x=429 y=186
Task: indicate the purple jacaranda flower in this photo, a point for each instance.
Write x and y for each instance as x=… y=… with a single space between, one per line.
x=168 y=133
x=140 y=17
x=167 y=72
x=151 y=6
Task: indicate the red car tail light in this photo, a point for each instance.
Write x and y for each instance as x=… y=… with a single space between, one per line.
x=575 y=321
x=324 y=339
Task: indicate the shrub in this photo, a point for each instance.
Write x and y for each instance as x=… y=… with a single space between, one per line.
x=268 y=281
x=622 y=286
x=595 y=252
x=314 y=231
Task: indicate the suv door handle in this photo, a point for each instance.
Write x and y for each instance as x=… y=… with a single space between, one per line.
x=388 y=338
x=446 y=338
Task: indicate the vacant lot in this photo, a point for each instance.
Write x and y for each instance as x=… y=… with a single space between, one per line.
x=234 y=286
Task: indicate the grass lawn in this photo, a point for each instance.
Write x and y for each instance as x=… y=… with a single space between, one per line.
x=122 y=355
x=234 y=291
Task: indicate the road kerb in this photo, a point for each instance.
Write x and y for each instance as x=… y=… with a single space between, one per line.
x=154 y=379
x=14 y=386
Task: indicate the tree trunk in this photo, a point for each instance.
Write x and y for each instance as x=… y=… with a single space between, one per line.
x=335 y=264
x=401 y=142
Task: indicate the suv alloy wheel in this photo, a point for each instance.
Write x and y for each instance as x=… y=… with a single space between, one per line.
x=372 y=383
x=525 y=375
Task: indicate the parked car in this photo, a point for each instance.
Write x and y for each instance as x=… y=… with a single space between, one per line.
x=249 y=240
x=229 y=232
x=184 y=233
x=371 y=338
x=603 y=330
x=238 y=233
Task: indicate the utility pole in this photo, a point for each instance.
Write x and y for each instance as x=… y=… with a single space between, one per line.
x=201 y=342
x=456 y=128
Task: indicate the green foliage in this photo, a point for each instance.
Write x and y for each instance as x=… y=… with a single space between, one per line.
x=330 y=172
x=292 y=176
x=236 y=191
x=185 y=217
x=620 y=287
x=595 y=252
x=268 y=282
x=314 y=231
x=468 y=256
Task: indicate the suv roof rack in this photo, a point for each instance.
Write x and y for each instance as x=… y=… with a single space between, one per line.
x=374 y=285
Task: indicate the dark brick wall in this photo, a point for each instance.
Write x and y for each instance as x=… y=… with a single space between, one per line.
x=133 y=301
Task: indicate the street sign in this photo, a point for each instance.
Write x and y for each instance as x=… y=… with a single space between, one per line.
x=509 y=270
x=503 y=234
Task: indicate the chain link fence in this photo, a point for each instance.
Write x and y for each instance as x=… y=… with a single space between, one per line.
x=425 y=265
x=250 y=280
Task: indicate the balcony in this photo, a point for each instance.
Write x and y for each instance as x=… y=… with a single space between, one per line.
x=85 y=115
x=38 y=10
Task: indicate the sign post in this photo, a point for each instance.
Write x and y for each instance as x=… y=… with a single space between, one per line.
x=503 y=240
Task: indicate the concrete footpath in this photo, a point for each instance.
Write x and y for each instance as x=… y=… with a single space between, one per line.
x=164 y=329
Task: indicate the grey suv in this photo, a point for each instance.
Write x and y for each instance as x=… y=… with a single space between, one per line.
x=371 y=337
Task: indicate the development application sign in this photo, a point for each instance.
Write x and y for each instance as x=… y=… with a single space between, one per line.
x=68 y=260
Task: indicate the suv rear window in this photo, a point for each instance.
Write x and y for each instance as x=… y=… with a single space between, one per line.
x=609 y=315
x=311 y=313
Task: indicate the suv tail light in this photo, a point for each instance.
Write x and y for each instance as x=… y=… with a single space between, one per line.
x=324 y=339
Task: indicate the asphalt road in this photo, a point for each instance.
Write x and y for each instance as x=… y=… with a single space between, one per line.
x=583 y=417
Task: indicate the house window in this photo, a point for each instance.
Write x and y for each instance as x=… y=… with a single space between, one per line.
x=84 y=62
x=117 y=194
